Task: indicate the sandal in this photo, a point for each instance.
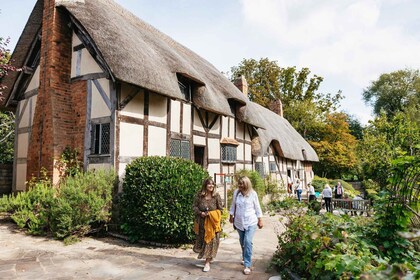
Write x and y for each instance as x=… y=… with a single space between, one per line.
x=206 y=267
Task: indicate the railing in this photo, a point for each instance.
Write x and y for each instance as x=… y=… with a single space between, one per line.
x=355 y=207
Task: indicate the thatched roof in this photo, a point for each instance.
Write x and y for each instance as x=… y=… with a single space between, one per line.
x=139 y=54
x=280 y=133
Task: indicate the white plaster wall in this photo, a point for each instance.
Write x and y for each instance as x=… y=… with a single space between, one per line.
x=198 y=140
x=197 y=123
x=21 y=176
x=240 y=152
x=34 y=83
x=75 y=40
x=247 y=136
x=232 y=127
x=22 y=151
x=248 y=154
x=157 y=141
x=131 y=140
x=225 y=124
x=248 y=166
x=216 y=127
x=134 y=108
x=213 y=168
x=88 y=64
x=214 y=148
x=175 y=115
x=99 y=108
x=240 y=133
x=24 y=121
x=186 y=121
x=157 y=108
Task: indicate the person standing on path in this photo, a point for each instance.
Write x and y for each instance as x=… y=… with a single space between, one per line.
x=299 y=189
x=327 y=195
x=246 y=216
x=311 y=192
x=208 y=209
x=338 y=191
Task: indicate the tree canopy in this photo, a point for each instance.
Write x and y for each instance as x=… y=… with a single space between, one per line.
x=303 y=105
x=394 y=92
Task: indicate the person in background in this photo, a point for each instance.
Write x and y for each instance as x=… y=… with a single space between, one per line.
x=246 y=216
x=289 y=186
x=208 y=208
x=311 y=192
x=327 y=195
x=338 y=191
x=299 y=189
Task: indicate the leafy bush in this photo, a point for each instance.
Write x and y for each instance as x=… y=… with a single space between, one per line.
x=325 y=247
x=72 y=209
x=157 y=199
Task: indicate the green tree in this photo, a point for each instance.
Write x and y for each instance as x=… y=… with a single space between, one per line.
x=386 y=139
x=356 y=128
x=7 y=119
x=336 y=149
x=7 y=136
x=395 y=92
x=303 y=106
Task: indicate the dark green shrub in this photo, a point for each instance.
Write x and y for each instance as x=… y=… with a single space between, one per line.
x=83 y=200
x=77 y=206
x=157 y=199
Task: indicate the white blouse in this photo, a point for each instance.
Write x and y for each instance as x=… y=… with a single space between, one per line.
x=248 y=210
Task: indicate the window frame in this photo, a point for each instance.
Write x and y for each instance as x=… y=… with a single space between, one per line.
x=97 y=145
x=230 y=154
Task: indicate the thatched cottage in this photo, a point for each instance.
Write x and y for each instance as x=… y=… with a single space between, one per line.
x=98 y=79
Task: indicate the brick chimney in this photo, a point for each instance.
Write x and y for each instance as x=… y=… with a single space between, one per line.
x=277 y=107
x=241 y=84
x=54 y=116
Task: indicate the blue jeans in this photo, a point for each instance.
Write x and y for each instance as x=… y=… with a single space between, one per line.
x=299 y=194
x=245 y=238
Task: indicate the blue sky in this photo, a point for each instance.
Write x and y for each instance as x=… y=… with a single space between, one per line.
x=348 y=42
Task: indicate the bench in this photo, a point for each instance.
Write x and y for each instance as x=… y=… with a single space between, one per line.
x=354 y=207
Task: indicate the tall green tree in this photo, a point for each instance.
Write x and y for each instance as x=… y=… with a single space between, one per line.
x=394 y=92
x=384 y=140
x=7 y=124
x=303 y=105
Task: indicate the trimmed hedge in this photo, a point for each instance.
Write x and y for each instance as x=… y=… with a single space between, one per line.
x=157 y=199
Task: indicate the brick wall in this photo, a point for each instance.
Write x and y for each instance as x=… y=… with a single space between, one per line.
x=6 y=176
x=54 y=119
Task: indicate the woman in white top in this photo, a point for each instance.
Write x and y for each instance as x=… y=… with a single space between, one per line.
x=311 y=192
x=246 y=215
x=299 y=189
x=327 y=195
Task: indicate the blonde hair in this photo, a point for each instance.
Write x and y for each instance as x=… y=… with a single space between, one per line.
x=246 y=183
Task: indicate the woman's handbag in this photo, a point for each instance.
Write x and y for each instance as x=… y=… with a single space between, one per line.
x=234 y=211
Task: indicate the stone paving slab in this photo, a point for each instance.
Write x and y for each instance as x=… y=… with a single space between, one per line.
x=27 y=257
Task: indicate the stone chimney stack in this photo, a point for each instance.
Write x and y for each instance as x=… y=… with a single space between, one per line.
x=277 y=107
x=241 y=84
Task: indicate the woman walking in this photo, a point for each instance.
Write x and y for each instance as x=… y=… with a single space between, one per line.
x=327 y=195
x=207 y=208
x=246 y=216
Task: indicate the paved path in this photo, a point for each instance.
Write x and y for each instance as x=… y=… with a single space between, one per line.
x=28 y=257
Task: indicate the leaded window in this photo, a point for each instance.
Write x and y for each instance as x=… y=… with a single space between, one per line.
x=273 y=166
x=180 y=148
x=229 y=153
x=259 y=167
x=100 y=139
